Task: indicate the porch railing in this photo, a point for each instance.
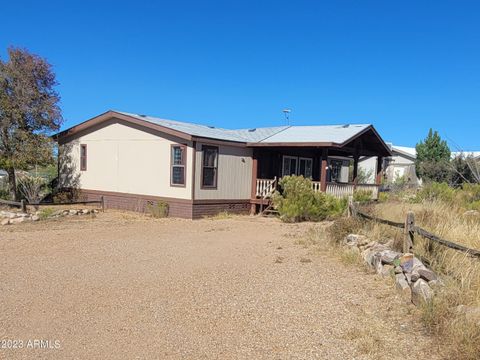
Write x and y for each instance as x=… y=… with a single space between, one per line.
x=266 y=187
x=340 y=190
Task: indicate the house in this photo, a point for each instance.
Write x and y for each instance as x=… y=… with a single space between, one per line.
x=399 y=167
x=133 y=160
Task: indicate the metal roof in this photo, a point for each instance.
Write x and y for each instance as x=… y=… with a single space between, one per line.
x=279 y=134
x=324 y=133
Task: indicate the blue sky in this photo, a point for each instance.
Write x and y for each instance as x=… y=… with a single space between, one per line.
x=404 y=66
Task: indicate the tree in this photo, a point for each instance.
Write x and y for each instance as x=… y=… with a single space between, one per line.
x=29 y=113
x=433 y=158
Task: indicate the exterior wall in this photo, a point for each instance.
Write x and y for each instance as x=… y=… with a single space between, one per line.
x=124 y=159
x=369 y=167
x=234 y=174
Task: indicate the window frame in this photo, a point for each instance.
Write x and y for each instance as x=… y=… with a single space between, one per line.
x=202 y=185
x=289 y=157
x=83 y=158
x=311 y=168
x=183 y=164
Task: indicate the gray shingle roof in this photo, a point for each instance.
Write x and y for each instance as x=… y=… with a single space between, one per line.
x=278 y=134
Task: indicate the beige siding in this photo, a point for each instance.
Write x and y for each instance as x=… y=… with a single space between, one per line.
x=234 y=174
x=124 y=159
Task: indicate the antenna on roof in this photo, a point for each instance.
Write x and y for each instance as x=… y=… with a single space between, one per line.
x=287 y=112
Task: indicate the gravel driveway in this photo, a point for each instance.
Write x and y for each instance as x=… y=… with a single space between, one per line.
x=122 y=286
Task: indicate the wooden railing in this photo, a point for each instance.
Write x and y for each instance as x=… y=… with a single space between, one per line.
x=373 y=188
x=266 y=187
x=340 y=190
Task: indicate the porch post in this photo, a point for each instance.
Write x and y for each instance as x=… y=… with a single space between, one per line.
x=254 y=181
x=355 y=170
x=378 y=179
x=323 y=170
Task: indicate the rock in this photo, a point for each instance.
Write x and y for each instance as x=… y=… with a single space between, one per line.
x=35 y=217
x=421 y=292
x=72 y=212
x=388 y=256
x=85 y=211
x=398 y=270
x=435 y=283
x=17 y=220
x=403 y=287
x=427 y=274
x=414 y=276
x=356 y=240
x=23 y=215
x=5 y=222
x=385 y=270
x=95 y=211
x=12 y=215
x=410 y=263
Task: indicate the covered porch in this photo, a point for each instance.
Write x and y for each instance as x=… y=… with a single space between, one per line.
x=333 y=168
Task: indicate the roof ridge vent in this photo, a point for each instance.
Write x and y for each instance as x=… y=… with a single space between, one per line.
x=252 y=130
x=346 y=125
x=211 y=127
x=142 y=115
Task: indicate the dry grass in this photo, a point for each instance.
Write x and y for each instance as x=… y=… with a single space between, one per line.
x=461 y=273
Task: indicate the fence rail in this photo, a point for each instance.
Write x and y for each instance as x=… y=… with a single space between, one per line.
x=23 y=205
x=410 y=229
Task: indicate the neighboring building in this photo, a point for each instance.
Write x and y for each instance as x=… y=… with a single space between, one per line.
x=400 y=167
x=200 y=170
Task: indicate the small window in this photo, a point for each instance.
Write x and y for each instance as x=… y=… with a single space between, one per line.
x=209 y=166
x=177 y=177
x=83 y=157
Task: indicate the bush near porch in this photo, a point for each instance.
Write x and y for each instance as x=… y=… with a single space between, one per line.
x=299 y=202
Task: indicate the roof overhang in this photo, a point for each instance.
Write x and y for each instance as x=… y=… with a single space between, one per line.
x=384 y=151
x=97 y=120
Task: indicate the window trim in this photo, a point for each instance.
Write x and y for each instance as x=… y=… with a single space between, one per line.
x=184 y=164
x=202 y=185
x=83 y=159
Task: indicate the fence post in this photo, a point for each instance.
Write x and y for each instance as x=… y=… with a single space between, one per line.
x=409 y=234
x=350 y=206
x=23 y=206
x=102 y=199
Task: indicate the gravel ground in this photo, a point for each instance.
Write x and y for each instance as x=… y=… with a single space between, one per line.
x=124 y=286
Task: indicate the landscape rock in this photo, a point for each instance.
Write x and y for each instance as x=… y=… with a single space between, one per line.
x=385 y=270
x=427 y=274
x=398 y=270
x=5 y=222
x=410 y=263
x=85 y=211
x=356 y=240
x=403 y=287
x=389 y=256
x=72 y=212
x=421 y=292
x=18 y=220
x=414 y=276
x=35 y=218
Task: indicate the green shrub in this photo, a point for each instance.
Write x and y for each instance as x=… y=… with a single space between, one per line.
x=362 y=195
x=45 y=213
x=158 y=209
x=437 y=192
x=383 y=197
x=298 y=201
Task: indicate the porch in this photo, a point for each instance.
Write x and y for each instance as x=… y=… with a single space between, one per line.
x=331 y=166
x=266 y=187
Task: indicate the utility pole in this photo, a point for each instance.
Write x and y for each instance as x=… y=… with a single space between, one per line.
x=287 y=112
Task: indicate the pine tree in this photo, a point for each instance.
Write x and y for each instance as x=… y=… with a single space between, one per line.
x=433 y=158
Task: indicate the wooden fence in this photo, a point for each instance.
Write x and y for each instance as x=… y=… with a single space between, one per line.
x=23 y=204
x=410 y=230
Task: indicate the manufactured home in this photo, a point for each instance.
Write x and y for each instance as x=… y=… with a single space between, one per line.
x=134 y=160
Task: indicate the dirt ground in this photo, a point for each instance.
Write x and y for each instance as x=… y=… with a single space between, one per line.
x=123 y=286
